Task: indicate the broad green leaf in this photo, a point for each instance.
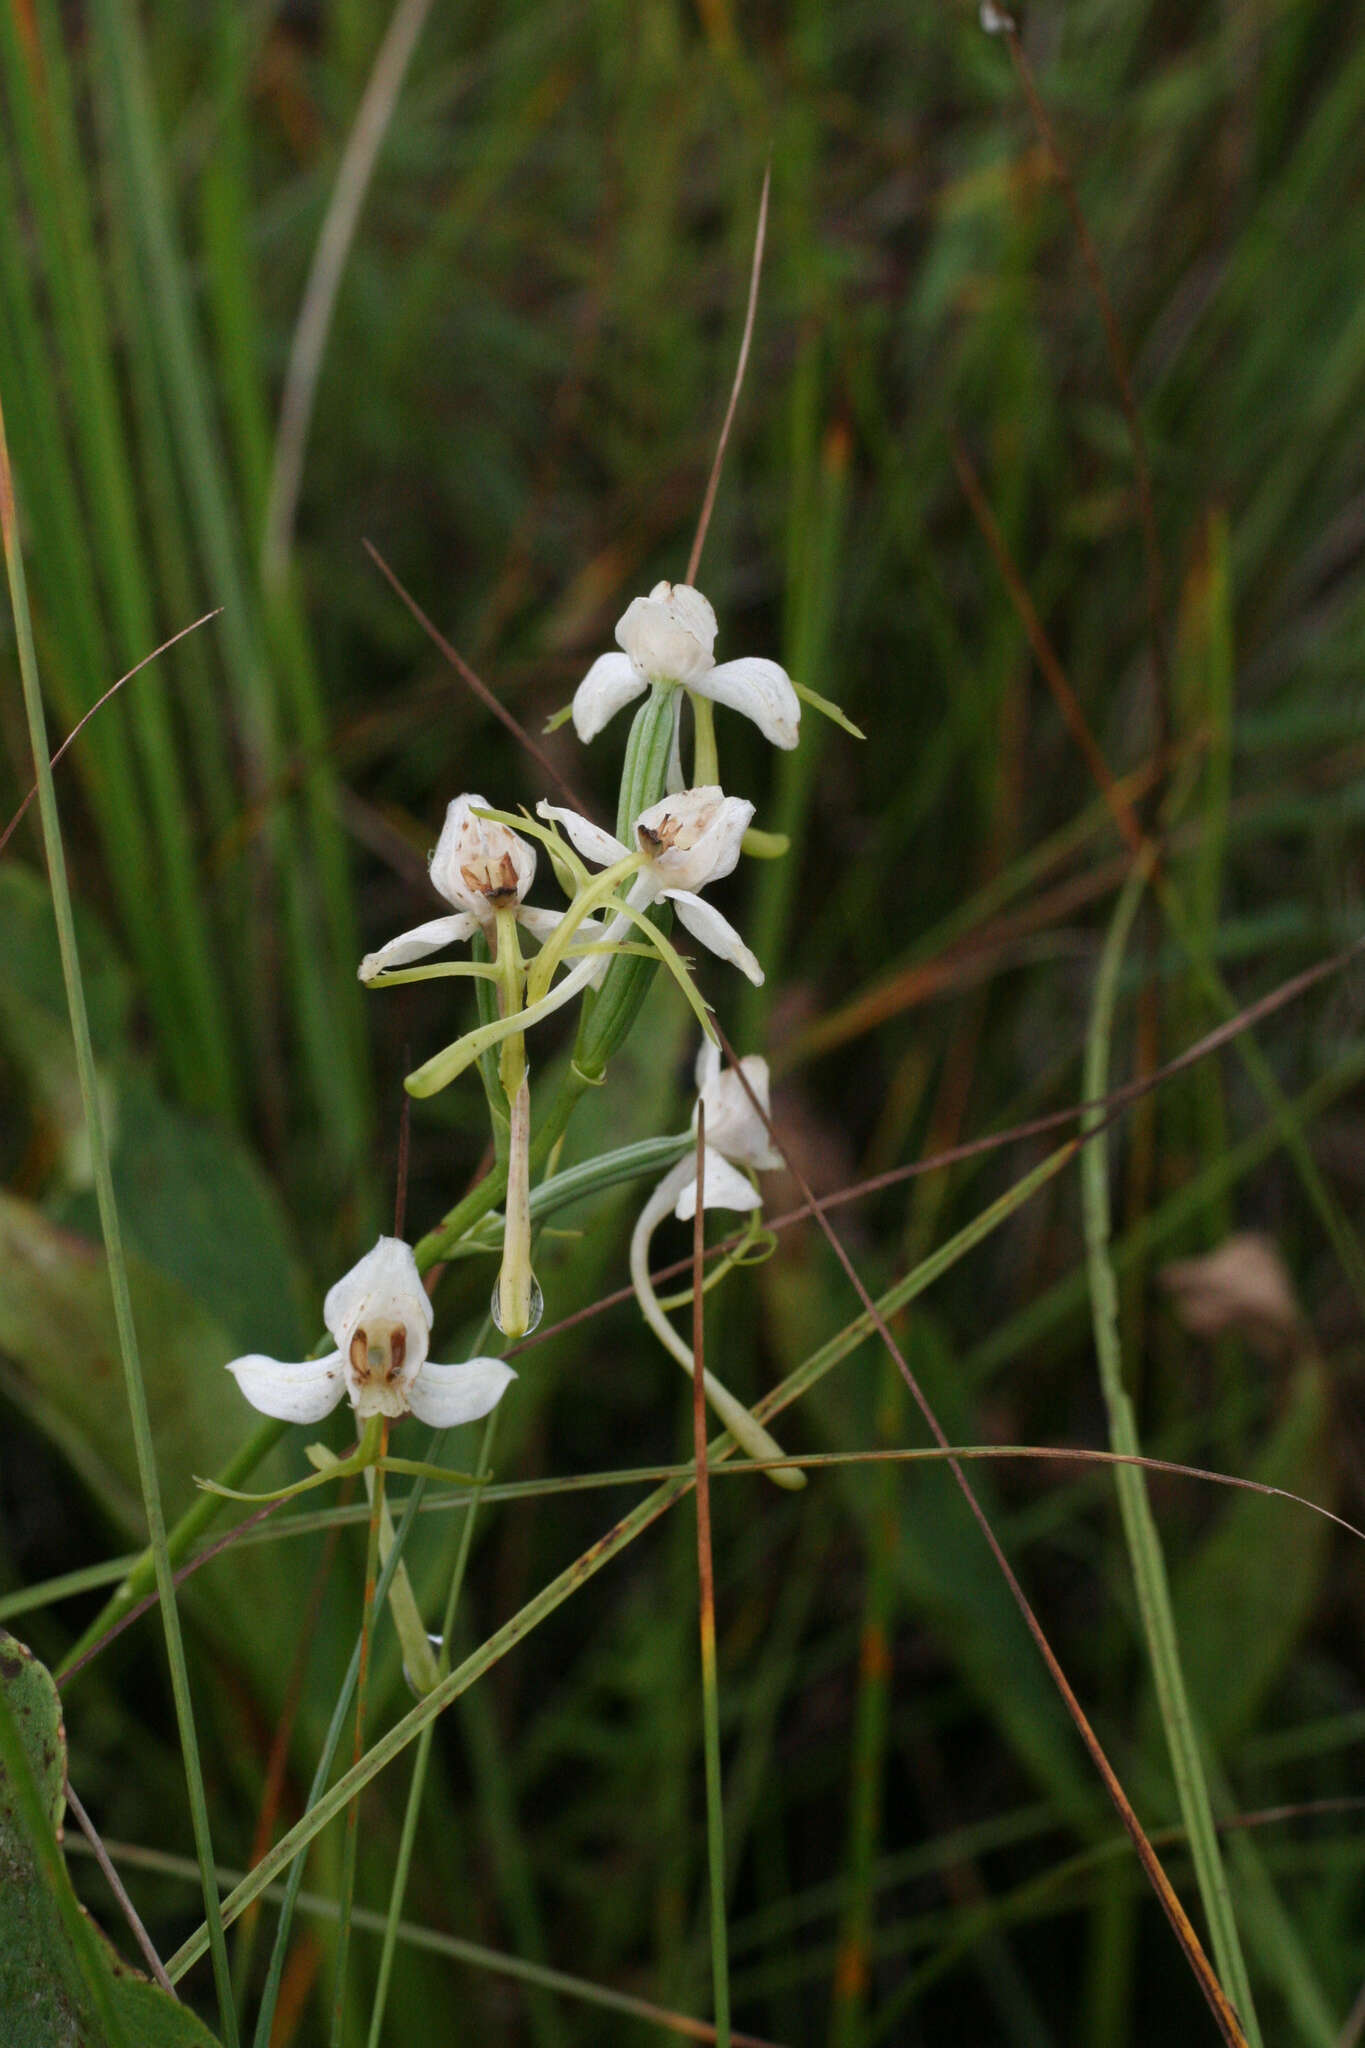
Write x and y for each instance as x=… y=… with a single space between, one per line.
x=31 y=1696
x=59 y=1980
x=33 y=1016
x=196 y=1206
x=191 y=1197
x=57 y=1332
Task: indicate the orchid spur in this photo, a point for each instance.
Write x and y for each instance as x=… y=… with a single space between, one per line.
x=735 y=1137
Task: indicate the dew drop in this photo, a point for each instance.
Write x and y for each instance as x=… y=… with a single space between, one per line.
x=535 y=1309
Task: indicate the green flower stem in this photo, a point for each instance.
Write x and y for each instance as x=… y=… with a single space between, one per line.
x=706 y=1613
x=113 y=1238
x=705 y=759
x=517 y=1312
x=595 y=896
x=403 y=1608
x=265 y=2017
x=516 y=1290
x=748 y=1434
x=1139 y=1525
x=512 y=986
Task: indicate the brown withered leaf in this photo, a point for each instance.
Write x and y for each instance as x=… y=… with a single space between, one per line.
x=1244 y=1288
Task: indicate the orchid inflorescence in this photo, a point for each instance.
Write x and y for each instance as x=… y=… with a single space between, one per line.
x=673 y=842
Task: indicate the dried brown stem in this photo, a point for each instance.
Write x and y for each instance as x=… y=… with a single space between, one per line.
x=83 y=721
x=713 y=481
x=476 y=683
x=115 y=1883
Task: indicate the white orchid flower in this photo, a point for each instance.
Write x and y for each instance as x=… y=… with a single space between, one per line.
x=481 y=867
x=734 y=1128
x=735 y=1138
x=668 y=637
x=684 y=843
x=379 y=1317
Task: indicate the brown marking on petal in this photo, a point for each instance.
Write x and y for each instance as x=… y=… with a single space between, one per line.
x=398 y=1351
x=360 y=1357
x=494 y=880
x=670 y=832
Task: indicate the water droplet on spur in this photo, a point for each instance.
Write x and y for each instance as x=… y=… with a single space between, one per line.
x=535 y=1309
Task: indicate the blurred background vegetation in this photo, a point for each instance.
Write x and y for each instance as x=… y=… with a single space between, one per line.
x=520 y=378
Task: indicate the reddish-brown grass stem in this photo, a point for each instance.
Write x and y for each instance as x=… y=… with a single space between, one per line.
x=99 y=702
x=713 y=481
x=477 y=684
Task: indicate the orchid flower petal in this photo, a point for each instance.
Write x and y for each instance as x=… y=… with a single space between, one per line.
x=723 y=1187
x=762 y=690
x=478 y=865
x=590 y=840
x=707 y=1066
x=669 y=635
x=610 y=683
x=716 y=933
x=733 y=1125
x=384 y=1285
x=539 y=923
x=444 y=1395
x=694 y=837
x=417 y=943
x=291 y=1393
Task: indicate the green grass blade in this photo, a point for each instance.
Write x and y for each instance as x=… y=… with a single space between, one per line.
x=1139 y=1526
x=113 y=1241
x=324 y=990
x=42 y=101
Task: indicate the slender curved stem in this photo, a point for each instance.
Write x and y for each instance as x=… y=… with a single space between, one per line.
x=749 y=1434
